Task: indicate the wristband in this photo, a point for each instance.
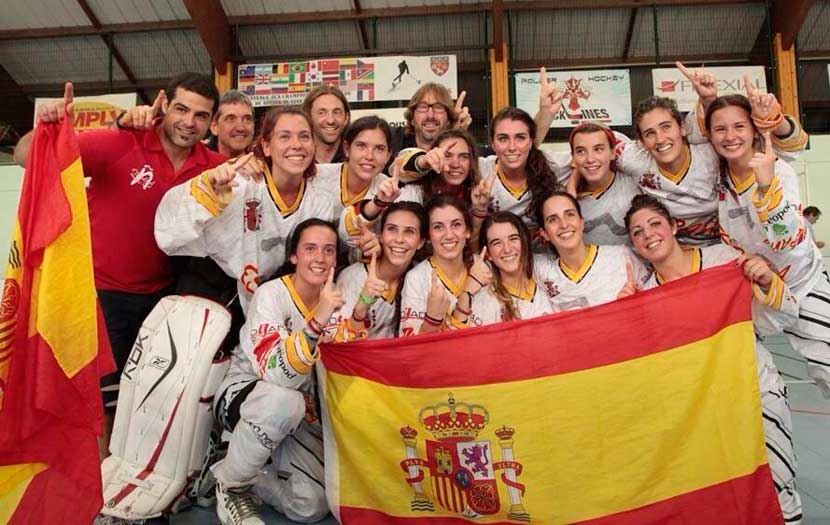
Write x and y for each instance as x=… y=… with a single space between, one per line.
x=361 y=320
x=473 y=277
x=479 y=213
x=313 y=325
x=368 y=301
x=463 y=311
x=379 y=203
x=118 y=120
x=432 y=321
x=311 y=337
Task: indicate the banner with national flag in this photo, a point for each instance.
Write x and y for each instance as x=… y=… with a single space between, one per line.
x=53 y=345
x=641 y=411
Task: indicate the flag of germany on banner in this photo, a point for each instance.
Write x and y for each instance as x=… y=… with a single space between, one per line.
x=641 y=411
x=53 y=346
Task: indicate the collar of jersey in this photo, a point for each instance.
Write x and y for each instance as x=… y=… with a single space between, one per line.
x=526 y=294
x=741 y=186
x=676 y=178
x=452 y=286
x=298 y=302
x=578 y=275
x=284 y=209
x=599 y=192
x=515 y=192
x=344 y=188
x=697 y=264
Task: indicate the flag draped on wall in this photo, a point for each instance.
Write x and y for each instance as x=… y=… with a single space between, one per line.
x=641 y=411
x=53 y=345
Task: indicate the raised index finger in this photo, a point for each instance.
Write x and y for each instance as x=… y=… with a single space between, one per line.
x=449 y=145
x=68 y=93
x=157 y=103
x=750 y=89
x=688 y=73
x=543 y=76
x=330 y=280
x=459 y=103
x=630 y=271
x=483 y=253
x=373 y=265
x=244 y=159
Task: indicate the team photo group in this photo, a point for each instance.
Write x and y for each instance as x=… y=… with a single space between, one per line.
x=314 y=229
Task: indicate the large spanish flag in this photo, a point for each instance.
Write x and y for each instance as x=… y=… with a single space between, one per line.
x=641 y=411
x=53 y=346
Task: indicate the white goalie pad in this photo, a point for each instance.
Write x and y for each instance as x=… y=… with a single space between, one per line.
x=163 y=419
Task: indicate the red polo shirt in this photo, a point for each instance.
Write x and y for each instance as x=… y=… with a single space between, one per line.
x=130 y=174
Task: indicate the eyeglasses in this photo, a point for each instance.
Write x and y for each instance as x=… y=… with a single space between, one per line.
x=436 y=107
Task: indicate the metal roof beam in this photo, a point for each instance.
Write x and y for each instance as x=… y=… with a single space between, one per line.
x=214 y=29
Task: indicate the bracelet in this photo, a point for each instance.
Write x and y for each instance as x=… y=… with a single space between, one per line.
x=379 y=203
x=479 y=213
x=314 y=325
x=118 y=120
x=361 y=320
x=368 y=301
x=473 y=277
x=311 y=337
x=432 y=321
x=463 y=311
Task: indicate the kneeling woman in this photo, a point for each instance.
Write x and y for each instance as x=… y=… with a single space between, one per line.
x=652 y=231
x=584 y=274
x=431 y=288
x=371 y=308
x=263 y=398
x=512 y=292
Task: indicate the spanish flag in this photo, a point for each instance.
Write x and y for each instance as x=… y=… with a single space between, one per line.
x=53 y=346
x=641 y=411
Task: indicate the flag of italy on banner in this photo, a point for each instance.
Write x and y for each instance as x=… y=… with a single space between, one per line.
x=642 y=411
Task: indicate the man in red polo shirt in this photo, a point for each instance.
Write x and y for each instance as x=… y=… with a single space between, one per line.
x=130 y=170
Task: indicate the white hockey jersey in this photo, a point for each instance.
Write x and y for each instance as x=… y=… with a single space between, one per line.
x=604 y=211
x=381 y=314
x=272 y=346
x=771 y=225
x=487 y=309
x=772 y=311
x=600 y=278
x=247 y=233
x=415 y=291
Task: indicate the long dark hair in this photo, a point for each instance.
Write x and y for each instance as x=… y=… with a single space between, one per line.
x=508 y=308
x=540 y=177
x=431 y=183
x=293 y=242
x=445 y=200
x=418 y=211
x=724 y=102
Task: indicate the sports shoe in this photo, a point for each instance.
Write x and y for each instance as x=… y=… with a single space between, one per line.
x=103 y=519
x=237 y=506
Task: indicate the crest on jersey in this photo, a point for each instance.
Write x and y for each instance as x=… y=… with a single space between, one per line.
x=142 y=177
x=551 y=288
x=650 y=180
x=461 y=466
x=253 y=215
x=439 y=64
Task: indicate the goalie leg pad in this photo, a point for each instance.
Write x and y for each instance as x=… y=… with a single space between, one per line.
x=163 y=414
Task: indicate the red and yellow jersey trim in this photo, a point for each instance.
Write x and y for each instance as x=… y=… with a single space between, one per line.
x=516 y=192
x=345 y=199
x=678 y=177
x=202 y=191
x=796 y=141
x=284 y=209
x=770 y=200
x=452 y=286
x=576 y=276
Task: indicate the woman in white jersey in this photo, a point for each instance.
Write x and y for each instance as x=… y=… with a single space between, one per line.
x=512 y=292
x=265 y=400
x=653 y=233
x=371 y=292
x=242 y=223
x=604 y=196
x=760 y=211
x=583 y=274
x=432 y=287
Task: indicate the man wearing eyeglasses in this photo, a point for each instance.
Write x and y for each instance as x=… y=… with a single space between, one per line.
x=430 y=111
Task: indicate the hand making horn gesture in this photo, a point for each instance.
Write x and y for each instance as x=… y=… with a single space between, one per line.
x=141 y=117
x=704 y=83
x=480 y=196
x=221 y=177
x=55 y=111
x=331 y=299
x=763 y=163
x=462 y=112
x=550 y=98
x=374 y=286
x=434 y=158
x=630 y=287
x=480 y=273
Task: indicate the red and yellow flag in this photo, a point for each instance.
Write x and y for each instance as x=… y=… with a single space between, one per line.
x=53 y=345
x=641 y=411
